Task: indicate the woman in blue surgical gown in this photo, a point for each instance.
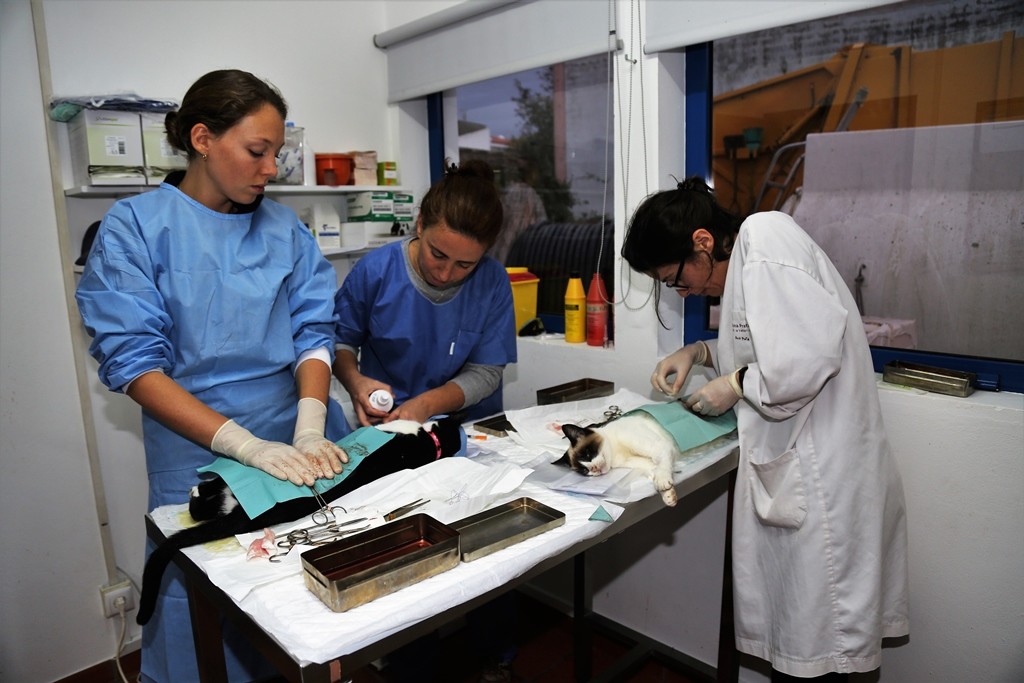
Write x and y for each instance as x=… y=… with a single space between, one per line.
x=819 y=524
x=212 y=308
x=430 y=319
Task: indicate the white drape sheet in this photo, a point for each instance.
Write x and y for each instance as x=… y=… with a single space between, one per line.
x=498 y=470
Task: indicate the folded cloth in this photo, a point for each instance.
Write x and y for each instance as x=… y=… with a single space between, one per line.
x=257 y=491
x=687 y=428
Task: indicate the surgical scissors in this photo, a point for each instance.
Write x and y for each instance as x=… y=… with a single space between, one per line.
x=613 y=412
x=318 y=534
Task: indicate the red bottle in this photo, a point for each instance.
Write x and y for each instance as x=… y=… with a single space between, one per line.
x=597 y=312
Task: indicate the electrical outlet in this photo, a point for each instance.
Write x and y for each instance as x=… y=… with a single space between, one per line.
x=114 y=592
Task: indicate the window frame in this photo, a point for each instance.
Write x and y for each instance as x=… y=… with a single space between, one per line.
x=992 y=374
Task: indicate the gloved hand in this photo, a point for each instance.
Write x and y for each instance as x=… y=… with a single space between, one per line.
x=717 y=396
x=679 y=364
x=309 y=439
x=274 y=458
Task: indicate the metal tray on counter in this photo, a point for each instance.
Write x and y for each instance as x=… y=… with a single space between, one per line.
x=492 y=530
x=355 y=570
x=939 y=380
x=579 y=390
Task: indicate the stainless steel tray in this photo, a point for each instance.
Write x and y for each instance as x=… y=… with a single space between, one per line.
x=355 y=570
x=505 y=525
x=939 y=380
x=575 y=391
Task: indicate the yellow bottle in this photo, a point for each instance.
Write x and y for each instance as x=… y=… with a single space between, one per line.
x=575 y=310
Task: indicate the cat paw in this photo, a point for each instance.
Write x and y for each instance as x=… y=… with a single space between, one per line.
x=669 y=496
x=667 y=490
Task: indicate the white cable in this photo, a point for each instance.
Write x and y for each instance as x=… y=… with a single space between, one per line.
x=625 y=143
x=120 y=641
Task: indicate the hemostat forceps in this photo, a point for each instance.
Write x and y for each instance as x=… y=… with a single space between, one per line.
x=318 y=534
x=398 y=512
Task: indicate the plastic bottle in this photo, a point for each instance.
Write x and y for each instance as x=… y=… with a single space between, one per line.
x=290 y=161
x=575 y=310
x=382 y=400
x=597 y=312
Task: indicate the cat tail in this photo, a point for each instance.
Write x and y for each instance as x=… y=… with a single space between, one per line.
x=158 y=560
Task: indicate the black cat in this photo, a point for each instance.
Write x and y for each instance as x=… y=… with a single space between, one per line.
x=212 y=502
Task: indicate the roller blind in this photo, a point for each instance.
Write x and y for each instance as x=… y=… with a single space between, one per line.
x=506 y=39
x=672 y=24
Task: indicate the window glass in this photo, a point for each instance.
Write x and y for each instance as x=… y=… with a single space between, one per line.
x=895 y=137
x=546 y=132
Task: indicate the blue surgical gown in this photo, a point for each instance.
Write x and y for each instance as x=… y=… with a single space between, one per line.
x=224 y=304
x=414 y=344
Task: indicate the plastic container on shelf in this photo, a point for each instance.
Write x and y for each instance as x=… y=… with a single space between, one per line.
x=524 y=294
x=575 y=310
x=333 y=169
x=291 y=159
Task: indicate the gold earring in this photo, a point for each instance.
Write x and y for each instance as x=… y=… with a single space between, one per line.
x=204 y=157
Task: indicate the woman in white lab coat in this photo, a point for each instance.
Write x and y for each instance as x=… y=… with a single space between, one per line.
x=819 y=526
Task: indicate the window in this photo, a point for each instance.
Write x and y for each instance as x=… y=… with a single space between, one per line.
x=547 y=134
x=895 y=137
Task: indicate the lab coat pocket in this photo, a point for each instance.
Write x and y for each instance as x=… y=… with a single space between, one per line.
x=777 y=490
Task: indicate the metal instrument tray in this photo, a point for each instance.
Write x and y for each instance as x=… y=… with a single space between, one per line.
x=939 y=380
x=355 y=570
x=492 y=530
x=575 y=391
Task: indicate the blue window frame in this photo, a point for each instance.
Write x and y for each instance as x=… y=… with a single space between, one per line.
x=992 y=374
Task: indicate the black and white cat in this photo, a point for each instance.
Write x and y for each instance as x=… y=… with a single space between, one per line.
x=212 y=502
x=635 y=440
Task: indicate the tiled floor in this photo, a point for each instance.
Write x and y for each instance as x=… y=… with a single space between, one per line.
x=544 y=654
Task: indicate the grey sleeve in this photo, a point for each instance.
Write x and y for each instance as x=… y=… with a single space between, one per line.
x=478 y=381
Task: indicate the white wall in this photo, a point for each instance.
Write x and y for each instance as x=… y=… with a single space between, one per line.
x=961 y=459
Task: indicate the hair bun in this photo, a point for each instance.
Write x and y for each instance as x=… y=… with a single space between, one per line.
x=471 y=168
x=694 y=184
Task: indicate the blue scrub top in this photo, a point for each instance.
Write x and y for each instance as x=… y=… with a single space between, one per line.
x=414 y=344
x=222 y=303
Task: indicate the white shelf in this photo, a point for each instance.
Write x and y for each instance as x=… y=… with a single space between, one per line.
x=330 y=189
x=123 y=190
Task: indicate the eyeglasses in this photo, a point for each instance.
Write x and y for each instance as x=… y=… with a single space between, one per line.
x=675 y=281
x=676 y=285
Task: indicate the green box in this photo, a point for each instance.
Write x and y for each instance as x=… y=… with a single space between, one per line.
x=375 y=205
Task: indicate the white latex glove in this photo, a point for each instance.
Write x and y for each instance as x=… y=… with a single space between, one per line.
x=309 y=439
x=717 y=396
x=274 y=458
x=679 y=364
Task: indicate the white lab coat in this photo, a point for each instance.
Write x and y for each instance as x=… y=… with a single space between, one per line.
x=819 y=529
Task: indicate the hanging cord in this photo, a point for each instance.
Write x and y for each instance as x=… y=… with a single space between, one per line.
x=625 y=137
x=609 y=135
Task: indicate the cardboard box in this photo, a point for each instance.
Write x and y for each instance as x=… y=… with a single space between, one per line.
x=371 y=206
x=404 y=205
x=325 y=224
x=106 y=148
x=364 y=167
x=158 y=156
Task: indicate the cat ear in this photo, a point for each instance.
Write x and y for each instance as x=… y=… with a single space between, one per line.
x=564 y=460
x=574 y=432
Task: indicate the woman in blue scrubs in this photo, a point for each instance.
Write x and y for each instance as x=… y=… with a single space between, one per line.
x=430 y=319
x=212 y=308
